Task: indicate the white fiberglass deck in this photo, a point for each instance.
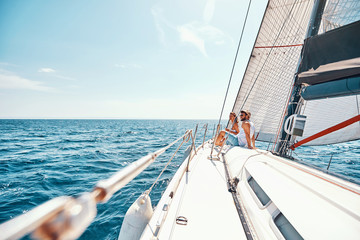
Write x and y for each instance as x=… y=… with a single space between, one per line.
x=203 y=199
x=316 y=205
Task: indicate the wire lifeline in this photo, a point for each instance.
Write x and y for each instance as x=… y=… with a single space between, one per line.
x=185 y=139
x=191 y=149
x=58 y=218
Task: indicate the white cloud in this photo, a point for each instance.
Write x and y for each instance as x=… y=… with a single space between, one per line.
x=51 y=71
x=198 y=34
x=7 y=64
x=187 y=34
x=46 y=70
x=159 y=19
x=12 y=81
x=209 y=11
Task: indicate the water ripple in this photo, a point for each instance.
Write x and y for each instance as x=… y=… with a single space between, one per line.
x=44 y=159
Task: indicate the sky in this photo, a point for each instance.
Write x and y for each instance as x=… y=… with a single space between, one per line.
x=153 y=59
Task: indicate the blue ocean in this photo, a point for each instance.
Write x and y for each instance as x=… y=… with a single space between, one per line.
x=44 y=159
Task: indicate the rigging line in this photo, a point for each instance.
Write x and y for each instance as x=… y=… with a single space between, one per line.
x=277 y=37
x=283 y=46
x=233 y=67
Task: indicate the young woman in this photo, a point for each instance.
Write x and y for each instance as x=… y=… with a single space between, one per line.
x=232 y=138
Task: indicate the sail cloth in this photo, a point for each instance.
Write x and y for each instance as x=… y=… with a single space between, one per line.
x=269 y=76
x=330 y=56
x=325 y=113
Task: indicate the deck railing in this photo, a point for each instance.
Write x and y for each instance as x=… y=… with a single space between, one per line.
x=67 y=217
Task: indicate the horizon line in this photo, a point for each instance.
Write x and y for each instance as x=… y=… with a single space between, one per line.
x=107 y=119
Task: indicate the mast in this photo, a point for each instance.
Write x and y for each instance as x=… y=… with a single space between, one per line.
x=294 y=101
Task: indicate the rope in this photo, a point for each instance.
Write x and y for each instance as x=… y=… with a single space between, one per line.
x=185 y=139
x=294 y=45
x=233 y=67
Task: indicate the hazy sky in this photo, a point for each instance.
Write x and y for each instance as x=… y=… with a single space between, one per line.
x=122 y=59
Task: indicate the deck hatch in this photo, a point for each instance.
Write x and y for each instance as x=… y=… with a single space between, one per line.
x=259 y=192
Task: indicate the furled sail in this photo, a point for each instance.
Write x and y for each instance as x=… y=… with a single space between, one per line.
x=269 y=76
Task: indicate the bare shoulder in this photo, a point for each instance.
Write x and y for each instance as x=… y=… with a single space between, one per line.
x=245 y=123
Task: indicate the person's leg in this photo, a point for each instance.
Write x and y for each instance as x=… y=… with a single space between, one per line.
x=232 y=140
x=219 y=140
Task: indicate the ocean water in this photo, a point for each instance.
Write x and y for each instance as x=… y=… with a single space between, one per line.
x=44 y=159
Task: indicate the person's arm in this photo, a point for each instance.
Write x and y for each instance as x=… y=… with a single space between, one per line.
x=236 y=129
x=246 y=127
x=253 y=141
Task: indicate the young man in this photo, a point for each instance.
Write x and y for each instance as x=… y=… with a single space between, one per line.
x=246 y=134
x=252 y=126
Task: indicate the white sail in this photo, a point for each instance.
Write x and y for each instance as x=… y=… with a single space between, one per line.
x=269 y=76
x=324 y=113
x=339 y=13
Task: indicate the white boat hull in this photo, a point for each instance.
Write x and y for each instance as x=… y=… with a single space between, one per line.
x=317 y=205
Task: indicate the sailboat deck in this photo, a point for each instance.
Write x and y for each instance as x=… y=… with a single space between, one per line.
x=203 y=199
